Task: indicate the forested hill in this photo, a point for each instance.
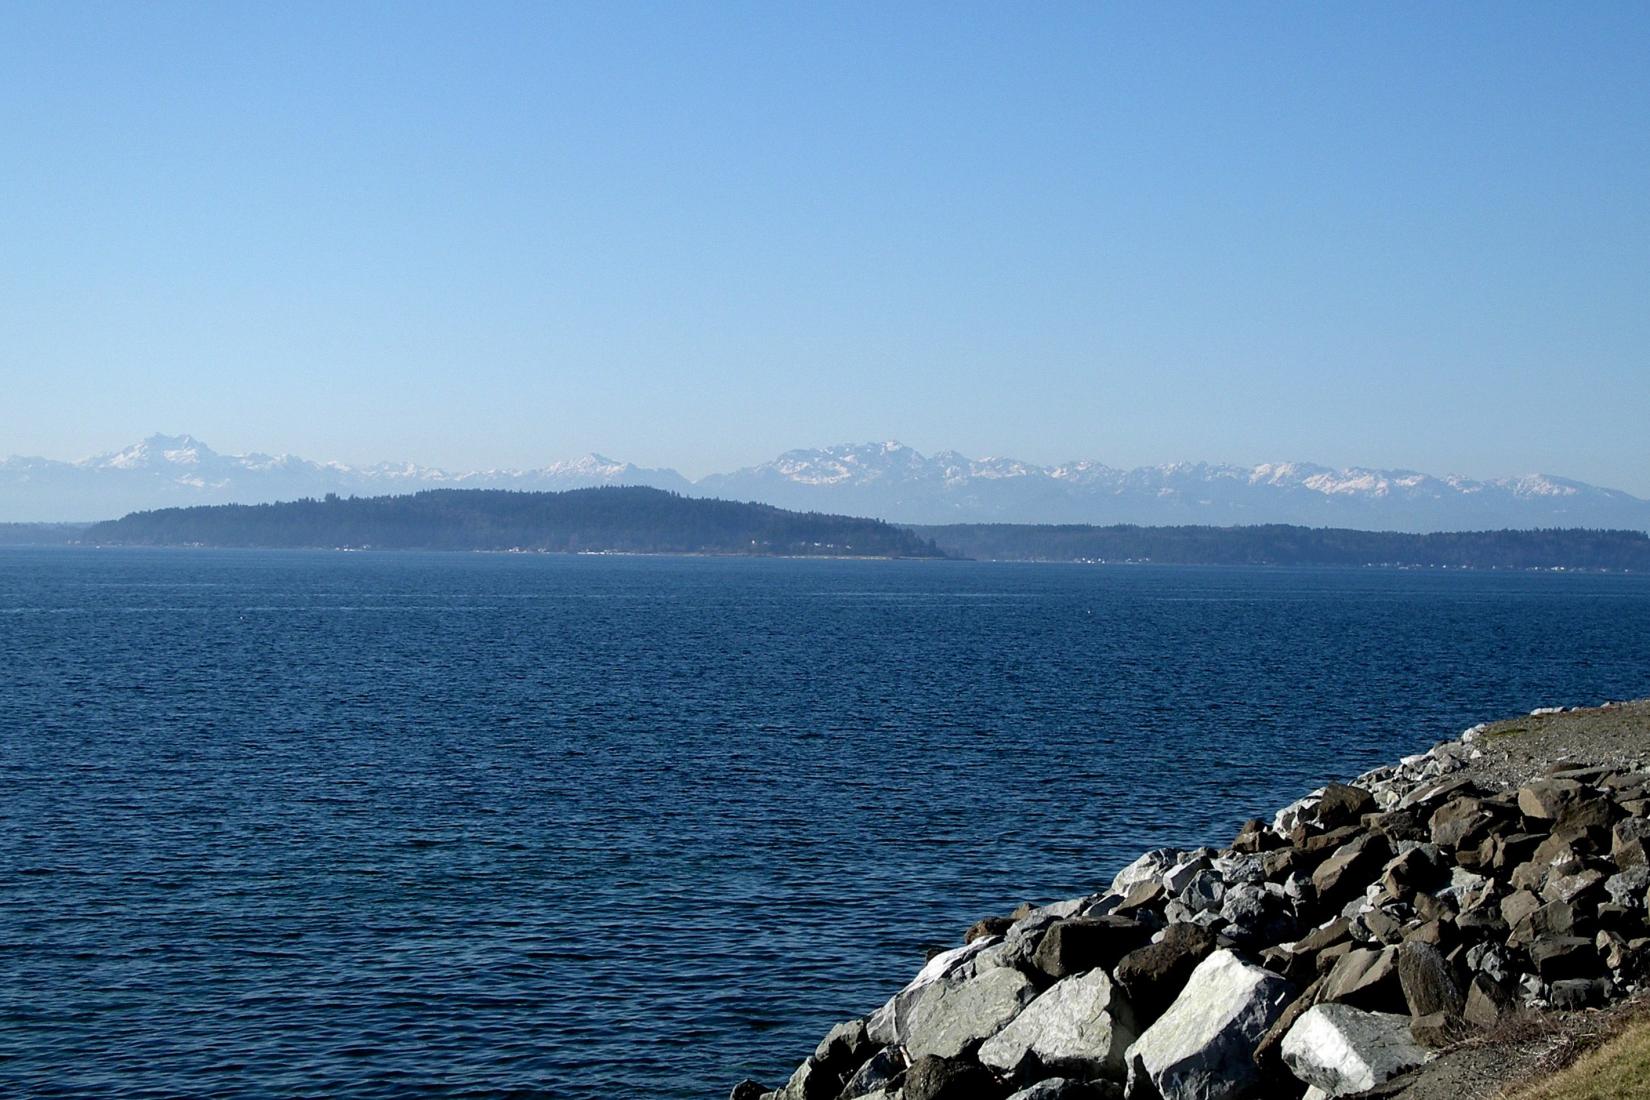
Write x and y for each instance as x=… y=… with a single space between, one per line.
x=628 y=519
x=1285 y=545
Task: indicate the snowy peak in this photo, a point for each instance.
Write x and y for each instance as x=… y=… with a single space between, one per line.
x=885 y=479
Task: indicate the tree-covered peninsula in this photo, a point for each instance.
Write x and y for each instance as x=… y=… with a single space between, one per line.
x=619 y=519
x=1275 y=544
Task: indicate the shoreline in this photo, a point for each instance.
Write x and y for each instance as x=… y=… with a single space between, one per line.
x=1381 y=934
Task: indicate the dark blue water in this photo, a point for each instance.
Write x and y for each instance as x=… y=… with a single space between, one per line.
x=355 y=825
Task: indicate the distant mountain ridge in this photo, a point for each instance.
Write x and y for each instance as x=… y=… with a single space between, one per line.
x=883 y=480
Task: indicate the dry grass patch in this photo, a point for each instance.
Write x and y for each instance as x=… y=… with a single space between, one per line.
x=1619 y=1069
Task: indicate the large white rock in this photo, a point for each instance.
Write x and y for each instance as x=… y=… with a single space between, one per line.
x=1080 y=1024
x=1344 y=1050
x=886 y=1026
x=953 y=1017
x=1148 y=867
x=1202 y=1047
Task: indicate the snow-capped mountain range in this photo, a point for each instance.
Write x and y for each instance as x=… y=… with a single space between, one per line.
x=886 y=480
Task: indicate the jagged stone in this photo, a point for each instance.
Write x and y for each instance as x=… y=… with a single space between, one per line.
x=955 y=1017
x=1152 y=976
x=1628 y=888
x=1487 y=1001
x=1422 y=867
x=1083 y=943
x=1429 y=796
x=990 y=926
x=1279 y=863
x=1343 y=875
x=1591 y=812
x=747 y=1090
x=1570 y=888
x=1464 y=822
x=1366 y=979
x=1142 y=895
x=1546 y=799
x=1383 y=926
x=1151 y=865
x=1578 y=993
x=883 y=1070
x=1322 y=844
x=1200 y=1049
x=1559 y=957
x=1437 y=1029
x=1397 y=826
x=1064 y=1088
x=1344 y=1050
x=886 y=1026
x=1255 y=836
x=1080 y=1025
x=1628 y=842
x=932 y=1077
x=1176 y=878
x=1343 y=805
x=1553 y=919
x=1267 y=1056
x=1426 y=981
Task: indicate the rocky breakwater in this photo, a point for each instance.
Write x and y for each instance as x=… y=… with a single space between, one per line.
x=1324 y=953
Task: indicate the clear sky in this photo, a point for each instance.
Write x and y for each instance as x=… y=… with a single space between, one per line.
x=694 y=235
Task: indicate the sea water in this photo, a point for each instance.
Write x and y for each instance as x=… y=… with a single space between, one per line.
x=380 y=825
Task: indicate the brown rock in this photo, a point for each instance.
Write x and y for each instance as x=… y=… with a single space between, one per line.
x=1591 y=811
x=1547 y=799
x=1142 y=895
x=1078 y=944
x=1463 y=822
x=1439 y=1029
x=1429 y=932
x=1153 y=975
x=1487 y=1002
x=1420 y=868
x=1321 y=844
x=934 y=1078
x=1325 y=935
x=1279 y=863
x=1481 y=924
x=1426 y=798
x=1256 y=836
x=1554 y=919
x=1267 y=1055
x=1570 y=888
x=1366 y=979
x=1343 y=805
x=1428 y=907
x=990 y=926
x=1385 y=927
x=1397 y=825
x=1426 y=981
x=1628 y=840
x=1510 y=850
x=1331 y=956
x=1354 y=865
x=1518 y=905
x=1559 y=957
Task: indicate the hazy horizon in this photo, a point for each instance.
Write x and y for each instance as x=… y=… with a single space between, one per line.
x=697 y=236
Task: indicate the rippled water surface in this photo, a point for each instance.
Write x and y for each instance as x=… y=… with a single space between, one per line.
x=359 y=825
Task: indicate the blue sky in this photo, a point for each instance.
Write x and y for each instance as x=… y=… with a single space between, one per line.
x=697 y=234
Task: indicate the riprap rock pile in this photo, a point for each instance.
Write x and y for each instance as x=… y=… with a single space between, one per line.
x=1321 y=954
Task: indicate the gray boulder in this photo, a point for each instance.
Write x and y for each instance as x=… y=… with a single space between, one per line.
x=886 y=1026
x=954 y=1018
x=1202 y=1047
x=1080 y=1025
x=1344 y=1050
